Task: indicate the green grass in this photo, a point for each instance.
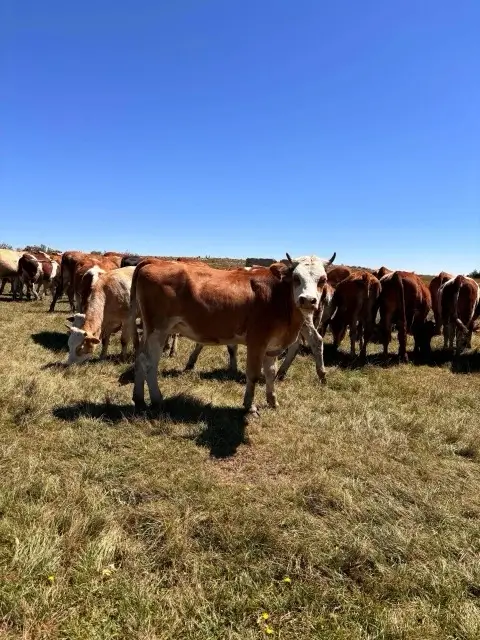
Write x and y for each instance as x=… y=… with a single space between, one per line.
x=364 y=494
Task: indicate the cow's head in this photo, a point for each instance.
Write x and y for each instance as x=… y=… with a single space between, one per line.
x=81 y=344
x=308 y=279
x=423 y=333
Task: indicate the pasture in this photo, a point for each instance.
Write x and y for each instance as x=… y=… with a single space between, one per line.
x=353 y=511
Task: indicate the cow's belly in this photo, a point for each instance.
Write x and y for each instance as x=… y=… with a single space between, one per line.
x=187 y=331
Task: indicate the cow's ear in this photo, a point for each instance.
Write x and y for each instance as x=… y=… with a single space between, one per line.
x=282 y=271
x=69 y=327
x=70 y=319
x=92 y=339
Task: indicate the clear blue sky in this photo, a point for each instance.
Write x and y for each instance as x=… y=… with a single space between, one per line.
x=249 y=128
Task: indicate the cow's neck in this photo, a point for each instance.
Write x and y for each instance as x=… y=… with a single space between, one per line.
x=94 y=315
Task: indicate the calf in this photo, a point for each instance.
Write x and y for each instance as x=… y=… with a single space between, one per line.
x=355 y=302
x=264 y=309
x=406 y=300
x=459 y=307
x=434 y=286
x=70 y=260
x=107 y=311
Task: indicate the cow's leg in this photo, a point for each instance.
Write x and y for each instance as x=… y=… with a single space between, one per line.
x=255 y=357
x=287 y=361
x=232 y=358
x=461 y=339
x=451 y=335
x=468 y=341
x=402 y=341
x=71 y=297
x=173 y=347
x=56 y=295
x=315 y=342
x=192 y=360
x=154 y=347
x=386 y=329
x=105 y=343
x=125 y=338
x=270 y=371
x=353 y=335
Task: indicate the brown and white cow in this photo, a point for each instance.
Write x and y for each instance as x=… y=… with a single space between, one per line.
x=264 y=310
x=37 y=270
x=459 y=307
x=355 y=301
x=434 y=287
x=405 y=300
x=107 y=311
x=78 y=272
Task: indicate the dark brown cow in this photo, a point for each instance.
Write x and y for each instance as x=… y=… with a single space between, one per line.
x=458 y=300
x=383 y=271
x=264 y=310
x=434 y=286
x=405 y=300
x=355 y=303
x=70 y=259
x=337 y=274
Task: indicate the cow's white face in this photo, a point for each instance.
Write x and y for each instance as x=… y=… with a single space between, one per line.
x=309 y=278
x=81 y=345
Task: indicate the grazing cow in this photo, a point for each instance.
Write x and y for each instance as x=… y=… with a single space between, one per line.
x=9 y=260
x=337 y=274
x=321 y=319
x=459 y=307
x=107 y=311
x=86 y=274
x=355 y=303
x=406 y=300
x=434 y=287
x=383 y=271
x=264 y=310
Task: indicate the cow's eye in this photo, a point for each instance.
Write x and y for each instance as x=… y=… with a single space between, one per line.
x=296 y=279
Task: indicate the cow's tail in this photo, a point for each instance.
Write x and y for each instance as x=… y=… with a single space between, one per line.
x=457 y=285
x=134 y=311
x=403 y=316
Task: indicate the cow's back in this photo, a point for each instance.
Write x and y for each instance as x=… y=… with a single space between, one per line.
x=9 y=260
x=335 y=275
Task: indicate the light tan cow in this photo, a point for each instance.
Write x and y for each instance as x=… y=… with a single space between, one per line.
x=9 y=260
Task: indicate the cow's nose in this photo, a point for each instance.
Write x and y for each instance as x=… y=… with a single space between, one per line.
x=307 y=300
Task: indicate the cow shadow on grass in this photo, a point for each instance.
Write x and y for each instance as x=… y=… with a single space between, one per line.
x=52 y=340
x=220 y=429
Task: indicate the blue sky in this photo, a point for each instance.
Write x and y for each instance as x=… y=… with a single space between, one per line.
x=227 y=128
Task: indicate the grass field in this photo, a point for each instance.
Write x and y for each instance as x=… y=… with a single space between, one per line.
x=351 y=512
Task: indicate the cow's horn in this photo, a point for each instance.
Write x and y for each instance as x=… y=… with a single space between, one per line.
x=289 y=258
x=329 y=262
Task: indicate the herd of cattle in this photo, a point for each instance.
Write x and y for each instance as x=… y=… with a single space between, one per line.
x=269 y=308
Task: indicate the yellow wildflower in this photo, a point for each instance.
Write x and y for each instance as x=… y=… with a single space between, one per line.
x=268 y=630
x=51 y=579
x=264 y=616
x=287 y=579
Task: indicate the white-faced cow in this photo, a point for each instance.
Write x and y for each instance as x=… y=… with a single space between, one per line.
x=263 y=309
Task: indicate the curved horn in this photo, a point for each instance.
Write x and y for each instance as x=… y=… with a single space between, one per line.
x=329 y=262
x=289 y=258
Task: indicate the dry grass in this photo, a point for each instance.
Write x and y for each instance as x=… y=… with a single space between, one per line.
x=364 y=494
